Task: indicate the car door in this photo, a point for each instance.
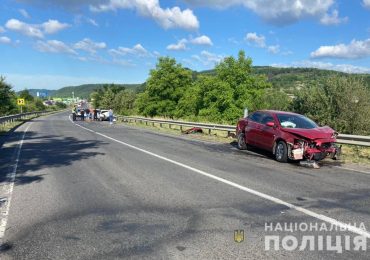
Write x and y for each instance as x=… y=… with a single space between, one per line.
x=252 y=128
x=266 y=134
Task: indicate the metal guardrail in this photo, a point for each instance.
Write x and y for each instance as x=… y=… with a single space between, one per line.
x=341 y=139
x=12 y=118
x=209 y=127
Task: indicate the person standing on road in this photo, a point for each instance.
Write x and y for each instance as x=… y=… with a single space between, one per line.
x=87 y=111
x=74 y=113
x=110 y=113
x=83 y=115
x=95 y=114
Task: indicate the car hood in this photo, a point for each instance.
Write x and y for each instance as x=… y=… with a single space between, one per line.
x=324 y=132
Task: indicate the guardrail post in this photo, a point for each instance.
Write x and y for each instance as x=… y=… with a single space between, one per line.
x=160 y=125
x=169 y=126
x=209 y=131
x=181 y=128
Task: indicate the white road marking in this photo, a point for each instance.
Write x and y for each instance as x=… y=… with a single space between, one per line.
x=9 y=186
x=310 y=213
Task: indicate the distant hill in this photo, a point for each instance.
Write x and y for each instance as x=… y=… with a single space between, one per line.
x=84 y=91
x=293 y=78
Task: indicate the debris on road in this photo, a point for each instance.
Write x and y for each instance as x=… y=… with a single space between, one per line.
x=309 y=164
x=194 y=130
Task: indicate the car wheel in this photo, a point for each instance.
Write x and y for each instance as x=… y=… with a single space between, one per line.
x=281 y=152
x=241 y=142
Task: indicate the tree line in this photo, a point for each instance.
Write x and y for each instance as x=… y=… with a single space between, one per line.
x=172 y=91
x=8 y=101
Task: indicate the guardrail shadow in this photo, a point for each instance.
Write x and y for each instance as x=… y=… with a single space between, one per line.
x=41 y=152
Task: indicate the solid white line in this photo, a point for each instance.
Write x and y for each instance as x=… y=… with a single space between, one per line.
x=10 y=186
x=321 y=217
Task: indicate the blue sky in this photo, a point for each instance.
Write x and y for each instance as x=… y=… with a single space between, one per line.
x=66 y=42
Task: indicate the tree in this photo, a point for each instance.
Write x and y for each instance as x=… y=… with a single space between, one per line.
x=222 y=97
x=124 y=102
x=276 y=100
x=340 y=102
x=7 y=98
x=164 y=88
x=25 y=94
x=105 y=97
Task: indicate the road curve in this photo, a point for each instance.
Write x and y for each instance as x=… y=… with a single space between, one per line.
x=95 y=191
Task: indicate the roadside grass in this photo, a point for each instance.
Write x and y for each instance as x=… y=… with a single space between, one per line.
x=356 y=154
x=351 y=154
x=5 y=128
x=214 y=136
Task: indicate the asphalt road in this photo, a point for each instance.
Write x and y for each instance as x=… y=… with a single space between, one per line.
x=114 y=192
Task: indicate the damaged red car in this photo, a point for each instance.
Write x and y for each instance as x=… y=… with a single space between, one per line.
x=289 y=136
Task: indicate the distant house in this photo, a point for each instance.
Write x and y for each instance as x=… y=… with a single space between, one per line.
x=49 y=102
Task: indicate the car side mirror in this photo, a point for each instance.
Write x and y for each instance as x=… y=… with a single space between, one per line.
x=270 y=124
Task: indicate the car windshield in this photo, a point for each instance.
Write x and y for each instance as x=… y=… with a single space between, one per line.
x=296 y=121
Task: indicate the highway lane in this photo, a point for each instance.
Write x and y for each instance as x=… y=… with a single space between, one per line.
x=79 y=195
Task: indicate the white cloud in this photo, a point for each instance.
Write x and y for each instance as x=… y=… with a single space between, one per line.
x=35 y=30
x=89 y=46
x=258 y=40
x=202 y=40
x=123 y=63
x=2 y=30
x=5 y=40
x=366 y=3
x=53 y=26
x=54 y=46
x=347 y=68
x=24 y=13
x=278 y=12
x=333 y=19
x=179 y=46
x=354 y=50
x=167 y=18
x=73 y=5
x=78 y=19
x=206 y=58
x=274 y=49
x=92 y=22
x=137 y=50
x=24 y=28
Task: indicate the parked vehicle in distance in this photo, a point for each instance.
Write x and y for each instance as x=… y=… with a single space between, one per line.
x=103 y=115
x=287 y=135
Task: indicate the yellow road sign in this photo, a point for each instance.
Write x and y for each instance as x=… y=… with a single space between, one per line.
x=20 y=102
